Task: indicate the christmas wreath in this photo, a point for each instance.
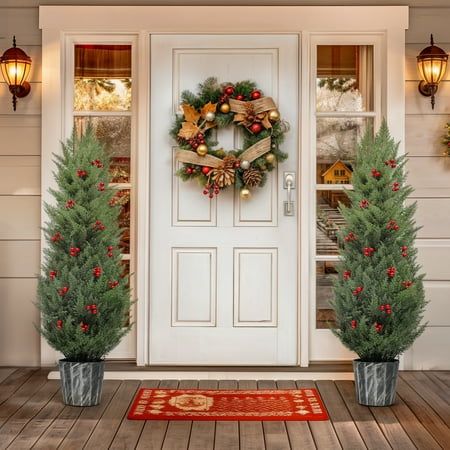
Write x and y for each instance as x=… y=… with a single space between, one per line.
x=217 y=106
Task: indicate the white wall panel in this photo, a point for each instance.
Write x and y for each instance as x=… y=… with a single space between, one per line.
x=431 y=255
x=255 y=287
x=433 y=215
x=430 y=177
x=423 y=21
x=20 y=135
x=20 y=218
x=19 y=340
x=424 y=134
x=418 y=104
x=21 y=22
x=431 y=350
x=20 y=175
x=194 y=294
x=438 y=308
x=31 y=104
x=19 y=259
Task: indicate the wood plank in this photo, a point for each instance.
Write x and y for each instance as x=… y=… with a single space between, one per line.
x=5 y=372
x=346 y=430
x=20 y=175
x=152 y=436
x=439 y=385
x=178 y=431
x=299 y=433
x=203 y=431
x=251 y=433
x=13 y=382
x=227 y=431
x=444 y=377
x=275 y=432
x=58 y=429
x=88 y=419
x=22 y=395
x=129 y=431
x=423 y=411
x=323 y=431
x=363 y=418
x=432 y=394
x=39 y=424
x=415 y=430
x=21 y=134
x=428 y=175
x=107 y=426
x=391 y=428
x=15 y=424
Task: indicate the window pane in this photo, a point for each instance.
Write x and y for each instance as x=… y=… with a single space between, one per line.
x=122 y=198
x=102 y=78
x=344 y=78
x=325 y=277
x=102 y=94
x=329 y=220
x=337 y=139
x=115 y=134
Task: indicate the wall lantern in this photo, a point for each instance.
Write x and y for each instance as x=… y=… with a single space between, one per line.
x=15 y=65
x=432 y=64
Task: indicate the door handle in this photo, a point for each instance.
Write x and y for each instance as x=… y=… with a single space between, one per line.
x=289 y=185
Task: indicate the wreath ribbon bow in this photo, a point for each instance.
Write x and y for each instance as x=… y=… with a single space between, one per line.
x=252 y=111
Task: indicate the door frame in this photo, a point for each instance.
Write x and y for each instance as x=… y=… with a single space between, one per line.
x=60 y=22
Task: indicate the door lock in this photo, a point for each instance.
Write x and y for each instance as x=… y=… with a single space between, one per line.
x=289 y=184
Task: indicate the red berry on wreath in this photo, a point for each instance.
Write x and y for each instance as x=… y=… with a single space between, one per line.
x=229 y=90
x=255 y=95
x=255 y=128
x=206 y=170
x=239 y=97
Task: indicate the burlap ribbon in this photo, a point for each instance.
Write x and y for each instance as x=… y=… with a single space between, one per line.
x=260 y=105
x=252 y=153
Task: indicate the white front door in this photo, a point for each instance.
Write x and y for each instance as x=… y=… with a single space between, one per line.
x=223 y=272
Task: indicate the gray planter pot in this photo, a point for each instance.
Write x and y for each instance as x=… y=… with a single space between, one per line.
x=375 y=382
x=81 y=382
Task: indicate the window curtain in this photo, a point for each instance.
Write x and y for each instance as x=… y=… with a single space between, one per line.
x=103 y=61
x=365 y=75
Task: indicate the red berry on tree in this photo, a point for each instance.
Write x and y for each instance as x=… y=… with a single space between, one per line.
x=368 y=251
x=255 y=95
x=56 y=237
x=396 y=186
x=406 y=284
x=350 y=237
x=81 y=173
x=391 y=271
x=98 y=225
x=206 y=170
x=112 y=284
x=97 y=272
x=347 y=275
x=364 y=204
x=63 y=291
x=74 y=251
x=255 y=128
x=70 y=203
x=97 y=163
x=52 y=274
x=357 y=290
x=84 y=327
x=354 y=324
x=59 y=324
x=101 y=186
x=375 y=173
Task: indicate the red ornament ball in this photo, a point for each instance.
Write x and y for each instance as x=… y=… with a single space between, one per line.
x=255 y=95
x=239 y=97
x=255 y=128
x=206 y=170
x=229 y=90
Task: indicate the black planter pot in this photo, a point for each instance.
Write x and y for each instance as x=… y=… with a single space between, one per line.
x=375 y=382
x=81 y=382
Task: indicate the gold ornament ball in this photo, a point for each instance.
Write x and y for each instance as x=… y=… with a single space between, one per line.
x=202 y=150
x=270 y=158
x=210 y=117
x=274 y=115
x=224 y=108
x=245 y=194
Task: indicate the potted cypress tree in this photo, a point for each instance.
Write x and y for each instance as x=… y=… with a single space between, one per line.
x=379 y=297
x=82 y=294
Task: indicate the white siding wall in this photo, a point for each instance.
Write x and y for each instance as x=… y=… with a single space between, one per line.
x=20 y=149
x=429 y=173
x=20 y=188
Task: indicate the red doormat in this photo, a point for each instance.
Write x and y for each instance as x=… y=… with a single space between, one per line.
x=197 y=404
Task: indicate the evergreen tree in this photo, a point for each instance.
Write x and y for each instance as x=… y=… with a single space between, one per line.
x=83 y=296
x=379 y=297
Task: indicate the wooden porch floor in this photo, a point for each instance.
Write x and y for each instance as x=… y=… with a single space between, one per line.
x=33 y=416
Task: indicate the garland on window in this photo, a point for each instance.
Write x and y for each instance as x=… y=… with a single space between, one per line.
x=218 y=106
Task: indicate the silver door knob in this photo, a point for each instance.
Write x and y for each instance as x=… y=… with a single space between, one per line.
x=289 y=185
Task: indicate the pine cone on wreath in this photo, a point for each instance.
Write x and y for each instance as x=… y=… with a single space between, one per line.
x=252 y=177
x=224 y=176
